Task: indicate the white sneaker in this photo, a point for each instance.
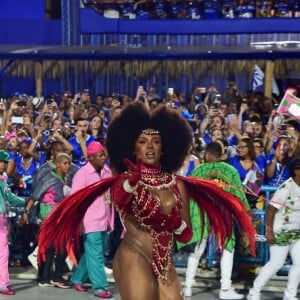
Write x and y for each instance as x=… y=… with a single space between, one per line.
x=230 y=294
x=69 y=263
x=108 y=271
x=188 y=291
x=253 y=296
x=33 y=260
x=289 y=297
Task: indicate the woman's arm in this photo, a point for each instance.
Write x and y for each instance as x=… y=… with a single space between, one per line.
x=185 y=213
x=271 y=211
x=270 y=169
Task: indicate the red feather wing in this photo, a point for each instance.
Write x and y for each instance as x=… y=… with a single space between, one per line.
x=62 y=227
x=222 y=208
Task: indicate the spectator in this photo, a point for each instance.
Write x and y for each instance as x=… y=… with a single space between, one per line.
x=6 y=198
x=225 y=149
x=96 y=128
x=250 y=169
x=27 y=164
x=222 y=172
x=52 y=150
x=52 y=188
x=96 y=224
x=80 y=141
x=283 y=235
x=277 y=170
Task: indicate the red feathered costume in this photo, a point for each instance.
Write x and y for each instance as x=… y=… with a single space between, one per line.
x=62 y=227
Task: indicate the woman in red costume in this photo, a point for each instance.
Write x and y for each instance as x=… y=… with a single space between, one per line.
x=145 y=150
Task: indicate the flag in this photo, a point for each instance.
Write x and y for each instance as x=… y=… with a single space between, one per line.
x=257 y=77
x=253 y=180
x=289 y=105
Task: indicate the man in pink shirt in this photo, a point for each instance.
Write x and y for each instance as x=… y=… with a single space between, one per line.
x=96 y=223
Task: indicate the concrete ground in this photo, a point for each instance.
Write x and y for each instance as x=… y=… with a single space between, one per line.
x=207 y=287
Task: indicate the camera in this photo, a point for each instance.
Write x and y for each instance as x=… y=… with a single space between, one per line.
x=283 y=127
x=46 y=132
x=22 y=103
x=49 y=100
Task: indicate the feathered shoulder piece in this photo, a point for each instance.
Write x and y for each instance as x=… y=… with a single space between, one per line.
x=222 y=208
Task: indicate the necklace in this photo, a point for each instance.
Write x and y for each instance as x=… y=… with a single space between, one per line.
x=154 y=178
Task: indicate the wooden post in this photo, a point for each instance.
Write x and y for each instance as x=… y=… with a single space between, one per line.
x=269 y=78
x=38 y=78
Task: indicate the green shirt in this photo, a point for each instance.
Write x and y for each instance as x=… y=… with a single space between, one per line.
x=222 y=172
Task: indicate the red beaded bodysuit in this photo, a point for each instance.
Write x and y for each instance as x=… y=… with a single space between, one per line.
x=145 y=209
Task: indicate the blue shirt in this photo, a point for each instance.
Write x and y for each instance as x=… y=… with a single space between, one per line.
x=281 y=173
x=77 y=154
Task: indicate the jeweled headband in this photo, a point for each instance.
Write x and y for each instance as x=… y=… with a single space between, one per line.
x=153 y=132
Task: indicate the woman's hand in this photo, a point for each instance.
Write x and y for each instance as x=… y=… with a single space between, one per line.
x=134 y=174
x=270 y=237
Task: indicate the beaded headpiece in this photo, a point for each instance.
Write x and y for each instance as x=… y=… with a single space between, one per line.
x=152 y=132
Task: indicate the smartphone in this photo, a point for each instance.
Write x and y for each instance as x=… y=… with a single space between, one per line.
x=171 y=91
x=49 y=100
x=215 y=105
x=218 y=97
x=47 y=118
x=17 y=120
x=230 y=117
x=202 y=90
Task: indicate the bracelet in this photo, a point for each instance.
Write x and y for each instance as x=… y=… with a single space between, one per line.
x=127 y=187
x=182 y=226
x=27 y=212
x=34 y=140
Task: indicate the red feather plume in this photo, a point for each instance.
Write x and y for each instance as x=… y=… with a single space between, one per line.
x=222 y=208
x=61 y=228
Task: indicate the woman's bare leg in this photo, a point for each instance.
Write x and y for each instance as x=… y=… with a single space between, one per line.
x=133 y=273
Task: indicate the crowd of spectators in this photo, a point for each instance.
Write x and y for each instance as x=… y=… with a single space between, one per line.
x=255 y=139
x=197 y=9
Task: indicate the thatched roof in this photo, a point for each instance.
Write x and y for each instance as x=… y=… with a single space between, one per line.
x=58 y=69
x=58 y=61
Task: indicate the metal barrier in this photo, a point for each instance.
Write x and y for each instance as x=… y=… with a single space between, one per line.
x=262 y=248
x=17 y=252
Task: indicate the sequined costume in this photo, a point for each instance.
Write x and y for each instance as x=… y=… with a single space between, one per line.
x=145 y=212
